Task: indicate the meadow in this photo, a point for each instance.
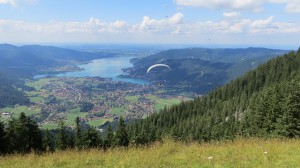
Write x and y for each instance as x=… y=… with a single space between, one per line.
x=161 y=103
x=238 y=153
x=17 y=110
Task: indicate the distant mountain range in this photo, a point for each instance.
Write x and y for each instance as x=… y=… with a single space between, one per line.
x=201 y=69
x=32 y=58
x=194 y=69
x=18 y=63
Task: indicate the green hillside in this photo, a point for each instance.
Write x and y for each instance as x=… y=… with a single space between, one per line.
x=200 y=70
x=265 y=102
x=9 y=94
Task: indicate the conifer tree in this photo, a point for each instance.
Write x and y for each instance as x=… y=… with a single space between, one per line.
x=3 y=136
x=269 y=103
x=109 y=139
x=71 y=139
x=48 y=141
x=35 y=136
x=121 y=133
x=62 y=137
x=22 y=134
x=78 y=141
x=12 y=136
x=176 y=135
x=91 y=138
x=292 y=115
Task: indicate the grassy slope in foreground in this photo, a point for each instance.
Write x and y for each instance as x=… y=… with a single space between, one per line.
x=239 y=153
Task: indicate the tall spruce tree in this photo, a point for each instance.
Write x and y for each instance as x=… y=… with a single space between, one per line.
x=71 y=139
x=3 y=136
x=12 y=136
x=110 y=138
x=48 y=141
x=292 y=115
x=22 y=134
x=78 y=138
x=62 y=137
x=91 y=138
x=35 y=136
x=121 y=133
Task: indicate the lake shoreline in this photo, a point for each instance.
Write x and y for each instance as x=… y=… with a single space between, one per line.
x=110 y=68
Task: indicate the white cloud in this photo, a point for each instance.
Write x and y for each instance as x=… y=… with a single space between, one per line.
x=176 y=19
x=291 y=6
x=119 y=24
x=253 y=5
x=231 y=14
x=241 y=27
x=91 y=30
x=18 y=3
x=8 y=2
x=149 y=24
x=172 y=29
x=262 y=23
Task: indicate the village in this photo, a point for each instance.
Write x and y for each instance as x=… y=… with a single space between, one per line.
x=95 y=100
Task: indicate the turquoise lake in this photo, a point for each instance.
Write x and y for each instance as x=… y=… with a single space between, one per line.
x=106 y=68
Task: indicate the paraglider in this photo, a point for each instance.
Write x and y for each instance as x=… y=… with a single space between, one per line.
x=157 y=65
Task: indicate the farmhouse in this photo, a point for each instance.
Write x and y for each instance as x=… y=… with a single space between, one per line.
x=5 y=114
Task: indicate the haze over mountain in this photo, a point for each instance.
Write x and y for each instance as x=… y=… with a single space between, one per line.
x=36 y=57
x=201 y=69
x=19 y=63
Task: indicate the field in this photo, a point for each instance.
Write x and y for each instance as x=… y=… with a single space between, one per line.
x=50 y=126
x=71 y=116
x=17 y=110
x=239 y=153
x=132 y=99
x=117 y=111
x=161 y=103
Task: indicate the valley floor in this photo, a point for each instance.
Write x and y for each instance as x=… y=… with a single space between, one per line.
x=239 y=153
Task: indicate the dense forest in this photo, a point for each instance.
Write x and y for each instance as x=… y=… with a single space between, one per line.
x=265 y=102
x=11 y=96
x=23 y=135
x=9 y=92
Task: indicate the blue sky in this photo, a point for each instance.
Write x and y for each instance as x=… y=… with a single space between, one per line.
x=222 y=22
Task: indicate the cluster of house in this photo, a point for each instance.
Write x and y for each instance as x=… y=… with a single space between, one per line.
x=5 y=115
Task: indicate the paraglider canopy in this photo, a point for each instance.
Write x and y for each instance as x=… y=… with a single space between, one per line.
x=157 y=65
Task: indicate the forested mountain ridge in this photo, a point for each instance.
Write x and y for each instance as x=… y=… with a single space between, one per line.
x=10 y=88
x=264 y=102
x=201 y=70
x=11 y=96
x=226 y=55
x=34 y=57
x=19 y=63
